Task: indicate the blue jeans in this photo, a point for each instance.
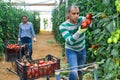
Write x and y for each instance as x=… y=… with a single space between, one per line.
x=75 y=59
x=28 y=41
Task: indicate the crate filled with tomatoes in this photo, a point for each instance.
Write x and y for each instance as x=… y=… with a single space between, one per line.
x=13 y=51
x=35 y=69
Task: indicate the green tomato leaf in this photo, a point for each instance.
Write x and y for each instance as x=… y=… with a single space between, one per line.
x=96 y=31
x=114 y=52
x=111 y=26
x=109 y=76
x=101 y=37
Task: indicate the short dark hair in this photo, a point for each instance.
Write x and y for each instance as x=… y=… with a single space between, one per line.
x=23 y=16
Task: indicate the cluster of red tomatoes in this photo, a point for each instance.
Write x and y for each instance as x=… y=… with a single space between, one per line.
x=41 y=68
x=14 y=48
x=86 y=22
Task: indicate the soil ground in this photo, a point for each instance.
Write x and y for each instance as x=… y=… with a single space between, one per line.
x=45 y=45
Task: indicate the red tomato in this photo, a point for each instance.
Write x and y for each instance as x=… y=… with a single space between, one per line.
x=36 y=65
x=35 y=69
x=45 y=70
x=88 y=21
x=41 y=69
x=28 y=64
x=33 y=72
x=29 y=71
x=55 y=66
x=49 y=69
x=44 y=64
x=36 y=75
x=29 y=76
x=88 y=16
x=40 y=65
x=84 y=25
x=41 y=62
x=41 y=72
x=50 y=62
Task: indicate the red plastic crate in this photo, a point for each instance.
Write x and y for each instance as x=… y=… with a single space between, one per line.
x=37 y=68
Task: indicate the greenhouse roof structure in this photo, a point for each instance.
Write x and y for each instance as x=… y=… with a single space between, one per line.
x=35 y=5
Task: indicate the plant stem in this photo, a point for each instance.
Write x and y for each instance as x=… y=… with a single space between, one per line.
x=118 y=20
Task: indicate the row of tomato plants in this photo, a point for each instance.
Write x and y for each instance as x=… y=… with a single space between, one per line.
x=105 y=23
x=10 y=17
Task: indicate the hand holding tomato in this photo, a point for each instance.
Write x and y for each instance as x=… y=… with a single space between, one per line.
x=81 y=30
x=87 y=22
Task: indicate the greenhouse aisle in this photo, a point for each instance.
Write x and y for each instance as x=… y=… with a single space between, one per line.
x=45 y=45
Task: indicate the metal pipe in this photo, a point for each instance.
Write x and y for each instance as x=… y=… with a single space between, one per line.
x=66 y=4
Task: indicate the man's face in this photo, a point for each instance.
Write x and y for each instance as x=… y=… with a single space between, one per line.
x=24 y=19
x=73 y=15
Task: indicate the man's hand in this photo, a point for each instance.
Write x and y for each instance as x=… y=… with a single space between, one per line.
x=81 y=30
x=34 y=39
